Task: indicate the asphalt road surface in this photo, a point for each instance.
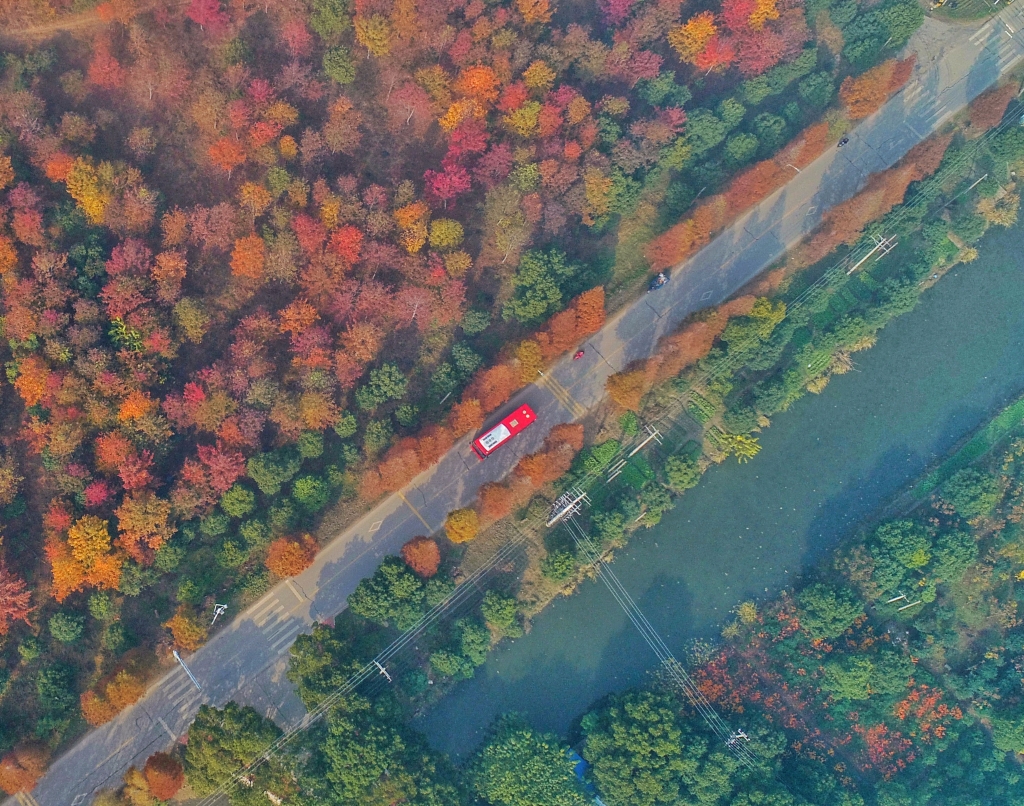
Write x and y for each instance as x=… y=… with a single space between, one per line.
x=246 y=659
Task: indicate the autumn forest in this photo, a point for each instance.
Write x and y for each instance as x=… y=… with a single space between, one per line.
x=259 y=262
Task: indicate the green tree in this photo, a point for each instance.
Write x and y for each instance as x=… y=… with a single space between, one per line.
x=66 y=628
x=682 y=473
x=704 y=131
x=330 y=17
x=640 y=749
x=1008 y=730
x=55 y=686
x=221 y=741
x=519 y=766
x=338 y=65
x=346 y=426
x=973 y=493
x=731 y=112
x=501 y=613
x=311 y=444
x=817 y=90
x=771 y=131
x=272 y=470
x=538 y=284
x=101 y=606
x=859 y=677
x=740 y=149
x=238 y=502
x=392 y=596
x=897 y=548
x=311 y=493
x=954 y=553
x=826 y=611
x=558 y=565
x=376 y=437
x=386 y=383
x=451 y=664
x=369 y=758
x=474 y=640
x=900 y=20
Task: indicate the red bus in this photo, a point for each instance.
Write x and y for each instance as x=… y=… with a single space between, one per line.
x=487 y=444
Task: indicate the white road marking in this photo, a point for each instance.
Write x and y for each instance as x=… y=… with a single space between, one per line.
x=268 y=615
x=269 y=603
x=981 y=33
x=163 y=724
x=286 y=639
x=295 y=591
x=376 y=525
x=912 y=94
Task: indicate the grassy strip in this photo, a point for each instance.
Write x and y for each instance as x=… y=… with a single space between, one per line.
x=995 y=431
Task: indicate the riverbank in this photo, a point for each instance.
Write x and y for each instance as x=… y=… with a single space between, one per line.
x=832 y=460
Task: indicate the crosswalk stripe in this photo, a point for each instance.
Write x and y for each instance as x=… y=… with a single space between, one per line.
x=279 y=628
x=981 y=33
x=286 y=639
x=270 y=603
x=276 y=612
x=911 y=94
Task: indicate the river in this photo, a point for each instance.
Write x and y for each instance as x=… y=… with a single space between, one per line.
x=747 y=530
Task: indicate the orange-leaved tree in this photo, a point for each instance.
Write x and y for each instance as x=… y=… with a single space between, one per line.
x=627 y=389
x=164 y=775
x=422 y=555
x=186 y=629
x=987 y=110
x=462 y=525
x=288 y=557
x=23 y=766
x=248 y=258
x=865 y=94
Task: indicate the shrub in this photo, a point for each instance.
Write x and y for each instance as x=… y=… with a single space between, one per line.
x=422 y=555
x=559 y=565
x=501 y=613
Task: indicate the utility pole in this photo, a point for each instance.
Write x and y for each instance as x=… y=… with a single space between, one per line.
x=382 y=670
x=188 y=671
x=218 y=610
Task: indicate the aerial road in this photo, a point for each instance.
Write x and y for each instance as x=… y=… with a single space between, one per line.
x=246 y=659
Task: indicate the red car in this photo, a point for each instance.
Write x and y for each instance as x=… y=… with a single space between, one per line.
x=487 y=444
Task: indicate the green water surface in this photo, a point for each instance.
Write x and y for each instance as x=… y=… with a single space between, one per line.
x=935 y=375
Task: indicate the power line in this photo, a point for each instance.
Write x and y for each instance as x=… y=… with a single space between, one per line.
x=654 y=640
x=463 y=591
